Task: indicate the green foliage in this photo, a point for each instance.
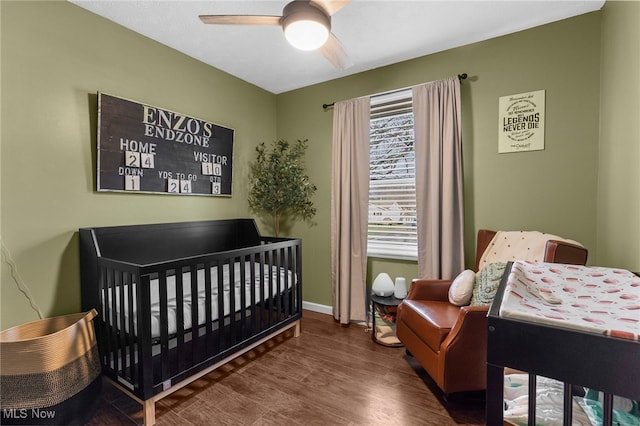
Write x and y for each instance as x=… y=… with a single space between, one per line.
x=279 y=183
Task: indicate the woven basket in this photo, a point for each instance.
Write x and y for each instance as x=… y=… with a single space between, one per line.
x=50 y=371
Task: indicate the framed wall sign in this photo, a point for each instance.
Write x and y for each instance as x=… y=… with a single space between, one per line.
x=521 y=122
x=142 y=148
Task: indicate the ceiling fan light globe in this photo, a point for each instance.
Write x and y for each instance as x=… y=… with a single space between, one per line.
x=306 y=34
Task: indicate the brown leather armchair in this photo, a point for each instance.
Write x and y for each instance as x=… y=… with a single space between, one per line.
x=449 y=341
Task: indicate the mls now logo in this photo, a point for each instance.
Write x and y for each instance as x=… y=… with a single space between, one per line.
x=23 y=413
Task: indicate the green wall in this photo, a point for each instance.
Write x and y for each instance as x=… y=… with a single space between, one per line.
x=55 y=58
x=619 y=157
x=551 y=190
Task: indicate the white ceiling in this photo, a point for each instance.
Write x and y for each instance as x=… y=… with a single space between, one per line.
x=374 y=32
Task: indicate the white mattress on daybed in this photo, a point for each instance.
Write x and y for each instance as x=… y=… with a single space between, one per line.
x=270 y=288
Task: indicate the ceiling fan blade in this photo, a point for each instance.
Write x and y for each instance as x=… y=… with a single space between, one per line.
x=330 y=6
x=335 y=53
x=240 y=19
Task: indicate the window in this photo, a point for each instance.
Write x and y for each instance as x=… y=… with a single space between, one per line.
x=392 y=186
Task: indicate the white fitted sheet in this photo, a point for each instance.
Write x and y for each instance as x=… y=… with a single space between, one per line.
x=270 y=288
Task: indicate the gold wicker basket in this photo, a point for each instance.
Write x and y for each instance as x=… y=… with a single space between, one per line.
x=49 y=370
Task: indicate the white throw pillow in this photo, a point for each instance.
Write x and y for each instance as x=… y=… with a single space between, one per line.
x=462 y=288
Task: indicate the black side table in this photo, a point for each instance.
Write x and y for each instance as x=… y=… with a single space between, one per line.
x=383 y=328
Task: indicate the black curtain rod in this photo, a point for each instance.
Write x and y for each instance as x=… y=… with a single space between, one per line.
x=461 y=77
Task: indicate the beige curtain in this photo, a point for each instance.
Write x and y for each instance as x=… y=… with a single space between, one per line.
x=439 y=196
x=349 y=209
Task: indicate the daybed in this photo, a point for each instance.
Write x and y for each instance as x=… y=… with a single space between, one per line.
x=576 y=324
x=167 y=313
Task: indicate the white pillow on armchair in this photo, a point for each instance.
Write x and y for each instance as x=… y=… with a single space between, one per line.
x=461 y=288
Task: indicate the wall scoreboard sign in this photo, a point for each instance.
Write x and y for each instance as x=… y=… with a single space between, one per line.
x=142 y=148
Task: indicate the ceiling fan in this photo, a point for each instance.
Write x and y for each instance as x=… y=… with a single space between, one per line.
x=306 y=25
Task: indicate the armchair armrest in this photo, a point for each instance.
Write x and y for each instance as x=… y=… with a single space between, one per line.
x=468 y=313
x=469 y=330
x=466 y=341
x=564 y=252
x=429 y=290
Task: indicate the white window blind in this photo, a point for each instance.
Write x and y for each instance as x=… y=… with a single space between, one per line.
x=392 y=186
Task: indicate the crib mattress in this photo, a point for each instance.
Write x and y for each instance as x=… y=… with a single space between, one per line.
x=593 y=299
x=269 y=283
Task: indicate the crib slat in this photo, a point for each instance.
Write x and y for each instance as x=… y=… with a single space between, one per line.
x=287 y=284
x=179 y=323
x=145 y=355
x=221 y=341
x=299 y=269
x=253 y=324
x=532 y=400
x=232 y=303
x=243 y=297
x=275 y=295
x=567 y=416
x=129 y=279
x=282 y=273
x=299 y=279
x=270 y=314
x=264 y=290
x=113 y=329
x=164 y=326
x=121 y=321
x=208 y=285
x=195 y=335
x=607 y=409
x=105 y=311
x=263 y=298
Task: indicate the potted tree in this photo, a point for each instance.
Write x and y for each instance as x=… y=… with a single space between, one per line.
x=279 y=184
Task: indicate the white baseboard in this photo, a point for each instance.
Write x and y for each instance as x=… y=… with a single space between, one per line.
x=324 y=309
x=316 y=307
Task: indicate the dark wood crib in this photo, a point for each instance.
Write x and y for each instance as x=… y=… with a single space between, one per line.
x=177 y=300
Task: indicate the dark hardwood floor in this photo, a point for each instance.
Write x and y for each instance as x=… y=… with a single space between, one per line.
x=330 y=375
